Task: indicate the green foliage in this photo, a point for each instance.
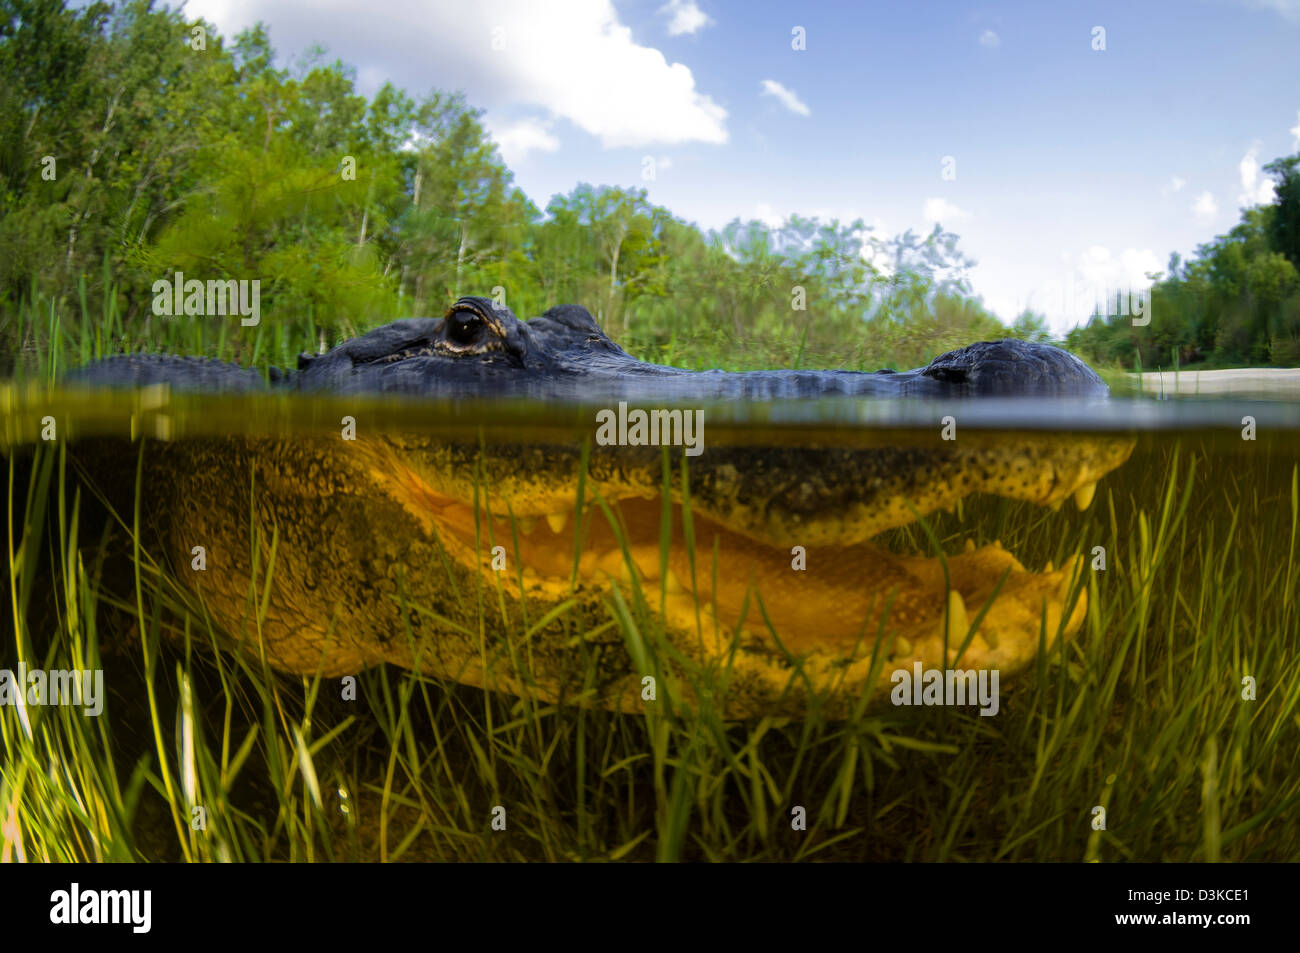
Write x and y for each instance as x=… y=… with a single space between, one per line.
x=351 y=212
x=1236 y=302
x=1284 y=226
x=127 y=155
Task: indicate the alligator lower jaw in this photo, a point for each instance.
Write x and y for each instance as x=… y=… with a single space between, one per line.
x=831 y=614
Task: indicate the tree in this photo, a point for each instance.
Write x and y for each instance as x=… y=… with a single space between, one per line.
x=461 y=203
x=1284 y=227
x=624 y=228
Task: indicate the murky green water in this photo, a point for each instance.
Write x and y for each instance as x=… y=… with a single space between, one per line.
x=157 y=412
x=1189 y=583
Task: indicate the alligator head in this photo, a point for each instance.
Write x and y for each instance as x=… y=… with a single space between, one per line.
x=480 y=347
x=513 y=564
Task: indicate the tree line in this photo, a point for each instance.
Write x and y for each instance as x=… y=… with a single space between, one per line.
x=135 y=143
x=1236 y=301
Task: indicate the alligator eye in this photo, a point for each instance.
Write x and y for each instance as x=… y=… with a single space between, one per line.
x=463 y=326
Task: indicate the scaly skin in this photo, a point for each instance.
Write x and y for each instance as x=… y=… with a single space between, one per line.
x=481 y=350
x=376 y=560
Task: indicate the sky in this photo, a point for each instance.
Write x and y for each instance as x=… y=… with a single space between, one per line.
x=1072 y=145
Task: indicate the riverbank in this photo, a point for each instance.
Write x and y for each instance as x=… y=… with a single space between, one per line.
x=1238 y=382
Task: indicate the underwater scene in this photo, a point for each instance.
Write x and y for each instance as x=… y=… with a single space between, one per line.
x=936 y=630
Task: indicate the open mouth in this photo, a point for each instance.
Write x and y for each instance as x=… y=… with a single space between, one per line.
x=795 y=575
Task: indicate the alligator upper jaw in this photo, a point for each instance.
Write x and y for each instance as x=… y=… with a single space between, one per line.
x=819 y=605
x=820 y=590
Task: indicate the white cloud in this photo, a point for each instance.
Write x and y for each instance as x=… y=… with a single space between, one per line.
x=1125 y=271
x=664 y=163
x=767 y=215
x=941 y=210
x=990 y=39
x=1205 y=208
x=1295 y=130
x=687 y=17
x=577 y=60
x=873 y=251
x=517 y=138
x=1175 y=185
x=787 y=97
x=1086 y=282
x=1255 y=189
x=1290 y=9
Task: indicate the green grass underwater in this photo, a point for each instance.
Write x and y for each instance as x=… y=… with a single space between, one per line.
x=1142 y=714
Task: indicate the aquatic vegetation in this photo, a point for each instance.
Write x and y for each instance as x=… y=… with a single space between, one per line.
x=1144 y=713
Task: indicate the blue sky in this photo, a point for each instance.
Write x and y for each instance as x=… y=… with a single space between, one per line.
x=1075 y=168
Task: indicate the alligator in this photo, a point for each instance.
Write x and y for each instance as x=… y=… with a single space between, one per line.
x=748 y=578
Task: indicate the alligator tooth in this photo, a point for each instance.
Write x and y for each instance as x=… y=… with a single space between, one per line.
x=1057 y=505
x=1068 y=571
x=1084 y=494
x=902 y=646
x=646 y=560
x=557 y=521
x=1051 y=567
x=527 y=524
x=674 y=585
x=957 y=621
x=969 y=545
x=615 y=563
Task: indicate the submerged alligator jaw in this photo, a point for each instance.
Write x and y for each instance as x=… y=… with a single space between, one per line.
x=478 y=563
x=386 y=551
x=742 y=601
